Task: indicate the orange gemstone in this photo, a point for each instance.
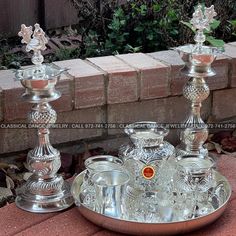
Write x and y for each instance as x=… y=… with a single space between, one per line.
x=148 y=172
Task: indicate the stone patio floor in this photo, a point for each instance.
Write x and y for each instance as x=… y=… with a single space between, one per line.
x=17 y=222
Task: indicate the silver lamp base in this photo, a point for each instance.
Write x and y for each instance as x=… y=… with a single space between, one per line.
x=45 y=204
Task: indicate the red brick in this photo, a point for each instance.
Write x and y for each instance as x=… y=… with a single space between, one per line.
x=122 y=79
x=221 y=67
x=164 y=110
x=153 y=74
x=177 y=79
x=14 y=220
x=67 y=223
x=230 y=51
x=89 y=83
x=65 y=102
x=21 y=139
x=14 y=139
x=13 y=106
x=88 y=115
x=224 y=105
x=59 y=43
x=89 y=91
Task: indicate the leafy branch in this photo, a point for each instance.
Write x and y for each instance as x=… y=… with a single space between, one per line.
x=219 y=43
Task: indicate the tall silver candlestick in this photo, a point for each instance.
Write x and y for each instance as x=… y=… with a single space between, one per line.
x=198 y=59
x=44 y=191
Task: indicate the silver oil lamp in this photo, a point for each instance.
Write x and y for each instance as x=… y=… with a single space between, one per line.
x=198 y=59
x=44 y=191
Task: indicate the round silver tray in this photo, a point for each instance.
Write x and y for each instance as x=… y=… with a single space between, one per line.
x=140 y=228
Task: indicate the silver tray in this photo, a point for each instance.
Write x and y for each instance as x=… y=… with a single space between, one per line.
x=138 y=228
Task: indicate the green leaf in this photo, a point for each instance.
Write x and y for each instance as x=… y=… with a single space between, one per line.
x=129 y=48
x=143 y=10
x=215 y=42
x=156 y=7
x=122 y=22
x=174 y=32
x=139 y=28
x=232 y=22
x=172 y=14
x=188 y=25
x=214 y=24
x=150 y=37
x=119 y=12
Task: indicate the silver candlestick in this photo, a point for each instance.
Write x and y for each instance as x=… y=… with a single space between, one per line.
x=44 y=191
x=198 y=59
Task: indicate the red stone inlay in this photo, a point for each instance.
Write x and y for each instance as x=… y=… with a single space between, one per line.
x=148 y=172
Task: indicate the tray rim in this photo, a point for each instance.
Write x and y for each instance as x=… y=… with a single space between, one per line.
x=197 y=222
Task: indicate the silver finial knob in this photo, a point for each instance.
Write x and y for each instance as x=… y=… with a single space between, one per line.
x=35 y=41
x=202 y=17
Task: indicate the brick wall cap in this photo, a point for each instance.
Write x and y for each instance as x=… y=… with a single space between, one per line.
x=169 y=57
x=78 y=68
x=141 y=61
x=230 y=51
x=111 y=64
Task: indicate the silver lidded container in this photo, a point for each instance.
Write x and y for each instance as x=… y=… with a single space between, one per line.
x=45 y=191
x=146 y=155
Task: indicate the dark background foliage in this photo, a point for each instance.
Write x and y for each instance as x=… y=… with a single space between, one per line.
x=123 y=26
x=110 y=27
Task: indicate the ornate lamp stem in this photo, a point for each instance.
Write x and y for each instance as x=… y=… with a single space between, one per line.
x=193 y=137
x=45 y=190
x=198 y=66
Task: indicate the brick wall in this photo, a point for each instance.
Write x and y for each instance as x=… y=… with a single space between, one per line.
x=123 y=88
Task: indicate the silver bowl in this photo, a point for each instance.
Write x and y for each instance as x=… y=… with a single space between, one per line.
x=39 y=82
x=197 y=65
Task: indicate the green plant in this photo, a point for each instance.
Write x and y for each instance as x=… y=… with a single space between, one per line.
x=233 y=25
x=136 y=26
x=209 y=38
x=109 y=27
x=67 y=53
x=117 y=34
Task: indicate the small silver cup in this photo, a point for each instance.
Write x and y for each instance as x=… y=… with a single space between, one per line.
x=94 y=165
x=110 y=188
x=194 y=178
x=100 y=163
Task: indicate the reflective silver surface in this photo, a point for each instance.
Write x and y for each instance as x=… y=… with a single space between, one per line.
x=110 y=188
x=40 y=82
x=44 y=191
x=145 y=157
x=102 y=163
x=221 y=196
x=198 y=59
